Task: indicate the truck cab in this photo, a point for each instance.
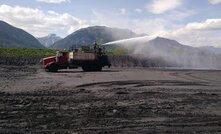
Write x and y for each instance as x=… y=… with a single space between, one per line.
x=59 y=61
x=62 y=58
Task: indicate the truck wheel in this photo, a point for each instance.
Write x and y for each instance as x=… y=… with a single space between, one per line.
x=97 y=68
x=91 y=68
x=53 y=68
x=86 y=68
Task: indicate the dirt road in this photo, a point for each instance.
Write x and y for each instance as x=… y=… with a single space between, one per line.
x=112 y=101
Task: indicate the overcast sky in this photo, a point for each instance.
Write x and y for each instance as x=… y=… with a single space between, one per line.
x=191 y=22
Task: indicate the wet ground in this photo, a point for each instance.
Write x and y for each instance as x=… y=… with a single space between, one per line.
x=113 y=101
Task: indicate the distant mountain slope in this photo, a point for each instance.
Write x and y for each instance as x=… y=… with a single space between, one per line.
x=12 y=37
x=49 y=40
x=148 y=46
x=87 y=36
x=212 y=49
x=173 y=53
x=169 y=46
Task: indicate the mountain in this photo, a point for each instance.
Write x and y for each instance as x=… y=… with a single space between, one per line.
x=88 y=36
x=174 y=46
x=152 y=45
x=169 y=46
x=173 y=53
x=213 y=50
x=12 y=37
x=49 y=40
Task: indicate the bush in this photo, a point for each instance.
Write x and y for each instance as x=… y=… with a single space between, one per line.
x=26 y=52
x=137 y=61
x=23 y=56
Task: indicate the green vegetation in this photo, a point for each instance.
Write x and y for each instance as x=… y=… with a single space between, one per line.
x=116 y=51
x=26 y=52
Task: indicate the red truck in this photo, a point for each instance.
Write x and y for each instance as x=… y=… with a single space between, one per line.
x=90 y=59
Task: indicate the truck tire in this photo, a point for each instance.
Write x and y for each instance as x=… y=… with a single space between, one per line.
x=98 y=68
x=53 y=67
x=85 y=68
x=91 y=68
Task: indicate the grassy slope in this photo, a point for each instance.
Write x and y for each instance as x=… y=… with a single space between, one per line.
x=46 y=52
x=26 y=52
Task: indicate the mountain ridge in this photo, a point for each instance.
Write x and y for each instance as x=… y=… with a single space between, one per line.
x=13 y=37
x=87 y=36
x=49 y=40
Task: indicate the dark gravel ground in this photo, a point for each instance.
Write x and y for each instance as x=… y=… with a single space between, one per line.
x=187 y=102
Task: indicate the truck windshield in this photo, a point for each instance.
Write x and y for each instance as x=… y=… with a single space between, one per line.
x=59 y=54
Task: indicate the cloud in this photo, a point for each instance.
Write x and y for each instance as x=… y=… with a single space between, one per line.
x=210 y=24
x=138 y=10
x=207 y=25
x=39 y=22
x=162 y=6
x=214 y=2
x=150 y=25
x=206 y=33
x=123 y=11
x=179 y=14
x=53 y=1
x=141 y=25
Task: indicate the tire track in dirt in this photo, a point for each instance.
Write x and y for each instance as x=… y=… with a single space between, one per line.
x=141 y=83
x=120 y=106
x=191 y=77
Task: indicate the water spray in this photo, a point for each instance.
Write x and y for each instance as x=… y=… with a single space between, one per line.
x=132 y=40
